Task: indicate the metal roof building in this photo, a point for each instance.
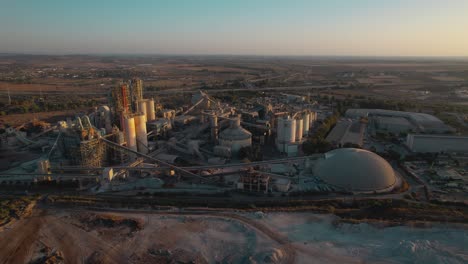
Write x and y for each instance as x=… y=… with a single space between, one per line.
x=423 y=122
x=437 y=143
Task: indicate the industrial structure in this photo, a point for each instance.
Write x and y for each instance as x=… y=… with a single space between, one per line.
x=427 y=143
x=292 y=129
x=356 y=170
x=234 y=137
x=204 y=131
x=347 y=131
x=398 y=121
x=210 y=143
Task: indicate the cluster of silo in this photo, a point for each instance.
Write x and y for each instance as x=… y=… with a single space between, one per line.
x=290 y=132
x=135 y=133
x=308 y=120
x=146 y=106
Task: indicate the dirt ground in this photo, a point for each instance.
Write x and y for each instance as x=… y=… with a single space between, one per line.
x=50 y=117
x=95 y=237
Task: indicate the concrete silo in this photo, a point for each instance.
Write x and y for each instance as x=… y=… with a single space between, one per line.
x=214 y=128
x=306 y=124
x=290 y=130
x=286 y=133
x=141 y=135
x=299 y=129
x=235 y=137
x=151 y=113
x=130 y=133
x=142 y=108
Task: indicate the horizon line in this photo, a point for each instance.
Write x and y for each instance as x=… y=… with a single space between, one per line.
x=232 y=55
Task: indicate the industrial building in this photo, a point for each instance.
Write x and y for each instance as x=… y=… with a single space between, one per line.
x=292 y=131
x=205 y=130
x=235 y=137
x=425 y=143
x=356 y=170
x=133 y=138
x=347 y=131
x=390 y=124
x=393 y=121
x=253 y=182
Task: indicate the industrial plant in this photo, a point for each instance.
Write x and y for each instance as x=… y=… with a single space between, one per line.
x=205 y=141
x=278 y=132
x=258 y=145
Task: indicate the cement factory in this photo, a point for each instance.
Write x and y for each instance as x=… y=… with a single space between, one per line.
x=209 y=146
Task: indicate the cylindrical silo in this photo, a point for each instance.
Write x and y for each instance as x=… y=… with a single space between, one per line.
x=280 y=130
x=130 y=133
x=142 y=108
x=151 y=113
x=312 y=118
x=299 y=129
x=306 y=124
x=290 y=130
x=141 y=135
x=214 y=127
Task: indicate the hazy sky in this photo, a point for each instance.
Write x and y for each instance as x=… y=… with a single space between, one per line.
x=261 y=27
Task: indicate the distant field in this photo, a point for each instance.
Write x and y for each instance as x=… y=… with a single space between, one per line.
x=53 y=116
x=55 y=86
x=447 y=78
x=394 y=78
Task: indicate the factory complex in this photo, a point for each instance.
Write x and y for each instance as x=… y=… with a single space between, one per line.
x=211 y=146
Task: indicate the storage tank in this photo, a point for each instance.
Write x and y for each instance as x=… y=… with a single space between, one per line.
x=306 y=124
x=141 y=135
x=130 y=133
x=142 y=108
x=312 y=118
x=214 y=127
x=280 y=131
x=289 y=130
x=299 y=129
x=151 y=113
x=286 y=132
x=235 y=137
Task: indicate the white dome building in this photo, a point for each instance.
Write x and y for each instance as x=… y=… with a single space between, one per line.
x=356 y=170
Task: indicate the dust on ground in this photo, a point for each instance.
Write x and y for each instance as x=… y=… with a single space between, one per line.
x=62 y=236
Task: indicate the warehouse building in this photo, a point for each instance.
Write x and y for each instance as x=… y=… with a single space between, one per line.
x=420 y=122
x=437 y=143
x=390 y=124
